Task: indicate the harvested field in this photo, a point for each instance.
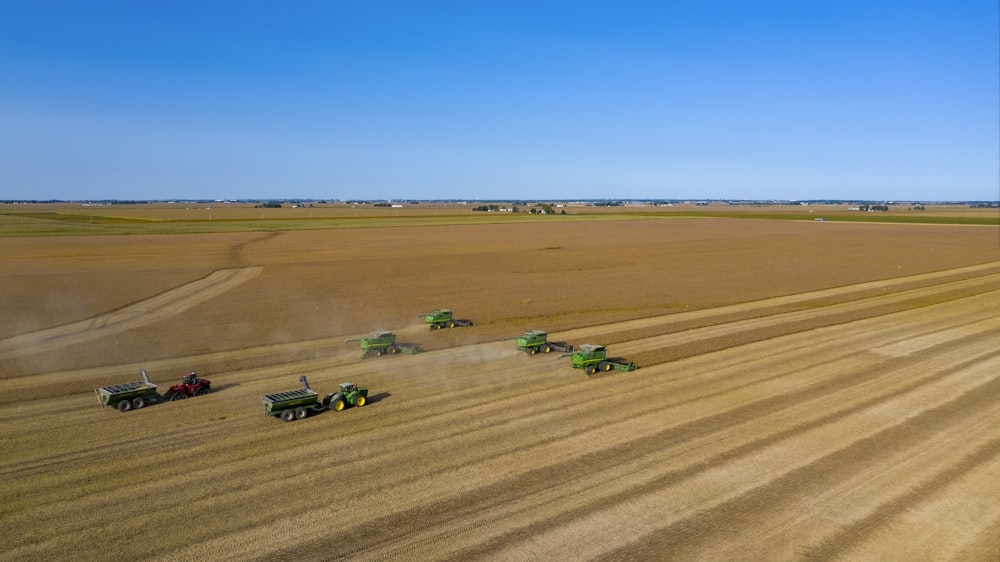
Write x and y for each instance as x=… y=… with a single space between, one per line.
x=806 y=390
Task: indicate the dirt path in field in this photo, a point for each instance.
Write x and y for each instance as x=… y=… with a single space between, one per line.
x=862 y=427
x=151 y=310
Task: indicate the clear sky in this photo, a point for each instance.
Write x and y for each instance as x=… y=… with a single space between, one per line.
x=866 y=99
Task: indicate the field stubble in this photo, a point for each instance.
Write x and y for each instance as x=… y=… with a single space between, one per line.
x=803 y=392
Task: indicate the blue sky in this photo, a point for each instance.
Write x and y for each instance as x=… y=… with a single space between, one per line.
x=498 y=100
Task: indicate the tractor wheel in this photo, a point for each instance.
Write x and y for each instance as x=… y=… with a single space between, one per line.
x=202 y=391
x=338 y=405
x=359 y=401
x=451 y=324
x=377 y=353
x=532 y=350
x=125 y=405
x=178 y=396
x=547 y=348
x=138 y=402
x=591 y=369
x=301 y=413
x=288 y=415
x=604 y=366
x=392 y=350
x=437 y=327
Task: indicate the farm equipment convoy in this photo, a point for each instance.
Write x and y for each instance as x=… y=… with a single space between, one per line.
x=537 y=341
x=593 y=358
x=299 y=404
x=382 y=342
x=443 y=318
x=136 y=395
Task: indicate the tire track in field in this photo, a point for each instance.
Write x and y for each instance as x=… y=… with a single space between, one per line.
x=144 y=312
x=419 y=515
x=690 y=536
x=427 y=517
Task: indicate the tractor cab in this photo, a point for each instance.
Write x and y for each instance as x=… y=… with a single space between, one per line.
x=346 y=387
x=190 y=378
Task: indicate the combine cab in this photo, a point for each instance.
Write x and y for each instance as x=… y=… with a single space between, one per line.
x=381 y=343
x=536 y=341
x=594 y=358
x=442 y=318
x=299 y=404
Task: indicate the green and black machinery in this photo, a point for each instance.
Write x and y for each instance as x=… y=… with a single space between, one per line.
x=299 y=404
x=382 y=342
x=443 y=318
x=537 y=341
x=593 y=358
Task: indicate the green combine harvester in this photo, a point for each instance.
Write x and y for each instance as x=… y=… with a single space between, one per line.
x=381 y=343
x=299 y=404
x=537 y=341
x=443 y=318
x=593 y=358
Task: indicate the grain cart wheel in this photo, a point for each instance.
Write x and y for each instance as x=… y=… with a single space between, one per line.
x=138 y=402
x=301 y=413
x=125 y=405
x=288 y=415
x=604 y=366
x=337 y=405
x=359 y=401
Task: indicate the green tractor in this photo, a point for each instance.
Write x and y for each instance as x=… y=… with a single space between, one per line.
x=593 y=358
x=443 y=318
x=381 y=343
x=299 y=404
x=537 y=341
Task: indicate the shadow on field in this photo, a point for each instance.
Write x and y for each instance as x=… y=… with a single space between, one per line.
x=221 y=387
x=376 y=398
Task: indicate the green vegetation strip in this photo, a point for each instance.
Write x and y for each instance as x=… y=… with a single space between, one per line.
x=74 y=224
x=859 y=217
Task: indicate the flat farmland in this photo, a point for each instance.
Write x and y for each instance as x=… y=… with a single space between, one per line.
x=820 y=390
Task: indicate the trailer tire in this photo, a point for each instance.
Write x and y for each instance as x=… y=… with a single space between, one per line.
x=124 y=405
x=337 y=405
x=360 y=401
x=287 y=415
x=138 y=402
x=301 y=413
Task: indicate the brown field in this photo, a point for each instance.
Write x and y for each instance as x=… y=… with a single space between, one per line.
x=806 y=389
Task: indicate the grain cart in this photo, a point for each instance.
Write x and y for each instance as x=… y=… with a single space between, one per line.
x=299 y=404
x=536 y=341
x=382 y=342
x=442 y=318
x=130 y=395
x=592 y=358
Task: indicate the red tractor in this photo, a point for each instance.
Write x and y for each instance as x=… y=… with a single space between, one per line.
x=190 y=385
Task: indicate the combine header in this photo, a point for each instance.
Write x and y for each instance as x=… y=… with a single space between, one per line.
x=442 y=318
x=299 y=404
x=593 y=358
x=136 y=395
x=382 y=342
x=536 y=341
